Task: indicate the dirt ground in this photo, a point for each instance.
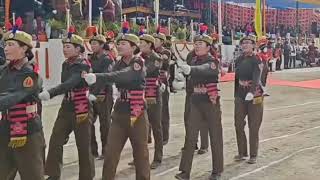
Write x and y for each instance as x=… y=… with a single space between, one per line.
x=289 y=137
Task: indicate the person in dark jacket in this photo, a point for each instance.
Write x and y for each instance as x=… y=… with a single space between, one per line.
x=129 y=117
x=202 y=83
x=101 y=62
x=21 y=132
x=248 y=99
x=75 y=113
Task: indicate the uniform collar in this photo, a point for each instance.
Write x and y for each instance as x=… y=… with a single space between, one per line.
x=72 y=59
x=159 y=49
x=18 y=64
x=203 y=57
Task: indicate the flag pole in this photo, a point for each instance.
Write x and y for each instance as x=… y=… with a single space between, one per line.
x=220 y=20
x=90 y=12
x=264 y=18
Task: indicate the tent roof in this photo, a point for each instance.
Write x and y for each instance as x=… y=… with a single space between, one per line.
x=282 y=4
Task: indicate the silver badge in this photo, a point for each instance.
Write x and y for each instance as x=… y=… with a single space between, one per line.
x=11 y=35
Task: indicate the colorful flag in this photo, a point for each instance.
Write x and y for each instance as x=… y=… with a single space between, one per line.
x=258 y=19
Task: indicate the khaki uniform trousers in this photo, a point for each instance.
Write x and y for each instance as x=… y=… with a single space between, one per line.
x=254 y=112
x=209 y=115
x=119 y=133
x=27 y=160
x=64 y=125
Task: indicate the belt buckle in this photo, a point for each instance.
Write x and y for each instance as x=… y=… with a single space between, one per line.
x=31 y=108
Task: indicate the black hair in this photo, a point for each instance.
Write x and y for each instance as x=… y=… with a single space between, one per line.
x=152 y=44
x=106 y=47
x=82 y=49
x=137 y=48
x=29 y=53
x=100 y=42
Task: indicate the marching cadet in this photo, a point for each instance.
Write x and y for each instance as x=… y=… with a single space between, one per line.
x=21 y=134
x=172 y=63
x=101 y=62
x=265 y=55
x=110 y=47
x=165 y=54
x=2 y=55
x=153 y=91
x=248 y=99
x=75 y=113
x=204 y=132
x=203 y=74
x=129 y=118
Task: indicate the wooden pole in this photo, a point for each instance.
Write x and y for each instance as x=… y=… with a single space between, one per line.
x=7 y=11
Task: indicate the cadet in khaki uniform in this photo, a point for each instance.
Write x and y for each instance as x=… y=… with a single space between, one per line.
x=21 y=134
x=248 y=99
x=129 y=118
x=153 y=91
x=166 y=56
x=75 y=113
x=204 y=132
x=203 y=73
x=101 y=63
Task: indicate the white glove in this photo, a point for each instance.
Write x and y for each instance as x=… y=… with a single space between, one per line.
x=180 y=62
x=90 y=78
x=162 y=88
x=249 y=97
x=44 y=96
x=115 y=93
x=178 y=85
x=186 y=69
x=180 y=77
x=92 y=97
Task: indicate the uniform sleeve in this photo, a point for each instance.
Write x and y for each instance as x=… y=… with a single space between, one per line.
x=165 y=59
x=2 y=56
x=152 y=67
x=25 y=85
x=132 y=74
x=236 y=81
x=97 y=87
x=210 y=69
x=256 y=75
x=106 y=65
x=71 y=82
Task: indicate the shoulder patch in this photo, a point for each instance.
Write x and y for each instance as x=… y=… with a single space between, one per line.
x=157 y=63
x=136 y=66
x=213 y=66
x=28 y=82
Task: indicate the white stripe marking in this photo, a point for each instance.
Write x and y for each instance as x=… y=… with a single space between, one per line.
x=273 y=163
x=261 y=141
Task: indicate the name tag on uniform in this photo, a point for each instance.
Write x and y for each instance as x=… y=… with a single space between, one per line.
x=257 y=100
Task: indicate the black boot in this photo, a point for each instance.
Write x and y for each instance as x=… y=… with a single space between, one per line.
x=182 y=176
x=214 y=176
x=53 y=178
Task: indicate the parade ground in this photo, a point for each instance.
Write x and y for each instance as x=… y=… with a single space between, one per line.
x=289 y=136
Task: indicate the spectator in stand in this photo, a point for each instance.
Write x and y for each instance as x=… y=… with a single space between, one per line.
x=278 y=54
x=312 y=53
x=293 y=54
x=249 y=29
x=226 y=39
x=2 y=56
x=39 y=25
x=286 y=53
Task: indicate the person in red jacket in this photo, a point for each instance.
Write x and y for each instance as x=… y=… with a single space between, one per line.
x=265 y=55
